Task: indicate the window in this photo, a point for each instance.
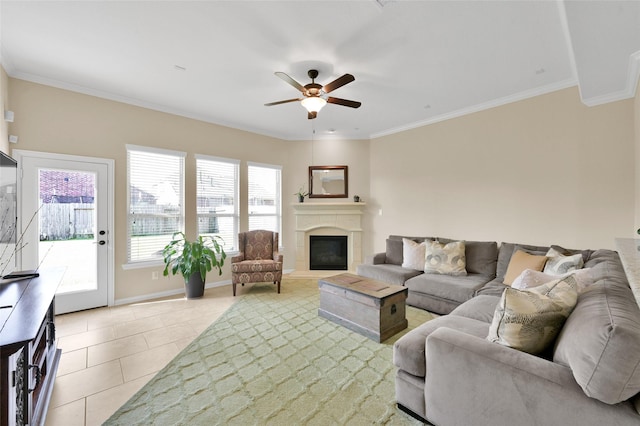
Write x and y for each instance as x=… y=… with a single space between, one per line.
x=264 y=197
x=217 y=192
x=156 y=200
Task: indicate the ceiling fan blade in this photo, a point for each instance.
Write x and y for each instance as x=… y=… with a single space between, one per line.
x=283 y=102
x=289 y=80
x=344 y=102
x=312 y=115
x=338 y=82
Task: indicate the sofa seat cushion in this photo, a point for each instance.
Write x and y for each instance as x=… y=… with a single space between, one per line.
x=479 y=308
x=392 y=274
x=409 y=350
x=256 y=266
x=455 y=288
x=492 y=288
x=600 y=340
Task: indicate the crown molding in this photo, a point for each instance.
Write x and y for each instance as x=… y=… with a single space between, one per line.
x=33 y=78
x=482 y=107
x=633 y=74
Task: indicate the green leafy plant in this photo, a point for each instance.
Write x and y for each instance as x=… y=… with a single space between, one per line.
x=189 y=257
x=301 y=192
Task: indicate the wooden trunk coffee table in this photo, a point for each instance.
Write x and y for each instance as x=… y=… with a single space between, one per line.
x=372 y=308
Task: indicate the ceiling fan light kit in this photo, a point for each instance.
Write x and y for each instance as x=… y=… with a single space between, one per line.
x=313 y=104
x=315 y=96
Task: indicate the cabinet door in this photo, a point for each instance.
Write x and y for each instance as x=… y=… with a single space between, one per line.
x=18 y=407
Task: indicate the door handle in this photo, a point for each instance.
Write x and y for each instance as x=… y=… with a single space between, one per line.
x=101 y=242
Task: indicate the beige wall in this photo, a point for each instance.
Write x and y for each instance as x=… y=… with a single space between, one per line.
x=302 y=154
x=544 y=170
x=541 y=171
x=60 y=121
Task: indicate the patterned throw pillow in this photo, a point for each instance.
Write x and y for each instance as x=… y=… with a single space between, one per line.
x=413 y=254
x=529 y=320
x=530 y=278
x=444 y=259
x=559 y=264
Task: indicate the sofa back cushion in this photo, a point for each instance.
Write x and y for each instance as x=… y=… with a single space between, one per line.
x=507 y=250
x=394 y=248
x=600 y=340
x=258 y=244
x=481 y=256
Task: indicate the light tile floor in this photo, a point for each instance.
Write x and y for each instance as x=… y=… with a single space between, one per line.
x=108 y=354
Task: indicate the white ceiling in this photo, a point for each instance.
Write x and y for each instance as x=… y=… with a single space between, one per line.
x=415 y=62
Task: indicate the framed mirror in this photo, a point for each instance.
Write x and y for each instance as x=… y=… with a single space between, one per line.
x=328 y=182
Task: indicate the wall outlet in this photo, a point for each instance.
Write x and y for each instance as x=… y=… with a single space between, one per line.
x=154 y=275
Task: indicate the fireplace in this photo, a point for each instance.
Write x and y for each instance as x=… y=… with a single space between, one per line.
x=328 y=252
x=326 y=219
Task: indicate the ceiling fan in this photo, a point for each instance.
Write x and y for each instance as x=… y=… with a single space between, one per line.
x=315 y=95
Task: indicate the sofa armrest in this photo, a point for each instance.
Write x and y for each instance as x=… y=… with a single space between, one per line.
x=376 y=259
x=277 y=256
x=237 y=258
x=471 y=378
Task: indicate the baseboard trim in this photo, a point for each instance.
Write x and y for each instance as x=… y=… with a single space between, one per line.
x=151 y=296
x=412 y=414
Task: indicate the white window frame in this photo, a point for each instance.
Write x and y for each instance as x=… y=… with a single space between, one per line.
x=278 y=203
x=236 y=198
x=153 y=261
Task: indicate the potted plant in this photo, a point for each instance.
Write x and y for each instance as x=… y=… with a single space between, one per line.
x=193 y=259
x=301 y=194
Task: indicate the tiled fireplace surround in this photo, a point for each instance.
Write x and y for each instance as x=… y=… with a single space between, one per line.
x=328 y=219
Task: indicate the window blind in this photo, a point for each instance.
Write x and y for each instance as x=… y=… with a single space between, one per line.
x=156 y=200
x=218 y=198
x=264 y=197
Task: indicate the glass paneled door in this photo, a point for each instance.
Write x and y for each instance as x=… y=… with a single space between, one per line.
x=64 y=211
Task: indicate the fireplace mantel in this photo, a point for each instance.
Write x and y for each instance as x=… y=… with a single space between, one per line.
x=328 y=219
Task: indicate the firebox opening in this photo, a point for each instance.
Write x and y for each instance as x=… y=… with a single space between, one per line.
x=328 y=252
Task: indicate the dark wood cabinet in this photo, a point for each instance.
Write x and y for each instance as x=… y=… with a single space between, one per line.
x=28 y=354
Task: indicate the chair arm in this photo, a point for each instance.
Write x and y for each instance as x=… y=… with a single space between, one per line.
x=277 y=256
x=376 y=259
x=468 y=377
x=237 y=258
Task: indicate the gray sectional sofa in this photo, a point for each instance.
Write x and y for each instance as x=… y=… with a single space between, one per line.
x=434 y=293
x=450 y=374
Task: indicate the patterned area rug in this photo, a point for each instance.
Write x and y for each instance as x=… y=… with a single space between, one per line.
x=271 y=360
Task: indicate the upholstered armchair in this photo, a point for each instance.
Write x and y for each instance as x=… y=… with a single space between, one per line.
x=258 y=260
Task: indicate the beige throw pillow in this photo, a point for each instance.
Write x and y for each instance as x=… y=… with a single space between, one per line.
x=413 y=254
x=529 y=320
x=444 y=259
x=521 y=261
